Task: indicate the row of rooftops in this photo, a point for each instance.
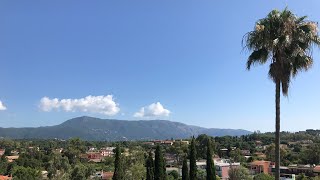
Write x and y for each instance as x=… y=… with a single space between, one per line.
x=268 y=167
x=166 y=142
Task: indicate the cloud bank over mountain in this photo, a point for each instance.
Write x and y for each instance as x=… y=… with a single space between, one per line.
x=153 y=110
x=94 y=104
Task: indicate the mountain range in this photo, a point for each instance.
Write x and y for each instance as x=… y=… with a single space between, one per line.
x=90 y=128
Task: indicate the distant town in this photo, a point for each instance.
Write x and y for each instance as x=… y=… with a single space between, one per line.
x=251 y=155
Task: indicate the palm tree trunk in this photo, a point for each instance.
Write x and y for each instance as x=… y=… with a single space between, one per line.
x=277 y=133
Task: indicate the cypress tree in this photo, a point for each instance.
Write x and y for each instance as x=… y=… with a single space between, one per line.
x=211 y=172
x=150 y=167
x=193 y=160
x=159 y=165
x=185 y=171
x=118 y=169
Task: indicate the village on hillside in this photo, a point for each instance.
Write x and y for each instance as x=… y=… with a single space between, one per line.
x=253 y=154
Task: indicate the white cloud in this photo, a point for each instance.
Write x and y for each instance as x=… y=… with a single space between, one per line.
x=153 y=110
x=2 y=106
x=93 y=104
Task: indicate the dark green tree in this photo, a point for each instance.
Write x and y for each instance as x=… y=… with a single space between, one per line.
x=174 y=174
x=185 y=171
x=285 y=41
x=263 y=176
x=90 y=169
x=201 y=145
x=22 y=173
x=7 y=151
x=193 y=160
x=58 y=167
x=159 y=165
x=271 y=156
x=32 y=159
x=136 y=171
x=236 y=156
x=79 y=172
x=3 y=165
x=211 y=172
x=201 y=174
x=74 y=148
x=311 y=155
x=118 y=166
x=237 y=173
x=150 y=167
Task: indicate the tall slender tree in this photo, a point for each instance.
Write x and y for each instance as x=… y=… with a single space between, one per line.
x=285 y=41
x=185 y=171
x=118 y=168
x=211 y=171
x=159 y=165
x=3 y=165
x=150 y=167
x=193 y=160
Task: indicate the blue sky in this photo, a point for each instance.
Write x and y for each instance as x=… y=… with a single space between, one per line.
x=180 y=60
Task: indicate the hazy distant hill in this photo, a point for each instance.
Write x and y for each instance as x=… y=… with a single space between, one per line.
x=90 y=128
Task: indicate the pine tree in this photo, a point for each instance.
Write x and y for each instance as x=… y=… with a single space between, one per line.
x=193 y=160
x=185 y=171
x=118 y=169
x=159 y=165
x=150 y=167
x=211 y=173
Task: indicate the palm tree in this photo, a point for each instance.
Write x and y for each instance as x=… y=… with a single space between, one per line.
x=285 y=41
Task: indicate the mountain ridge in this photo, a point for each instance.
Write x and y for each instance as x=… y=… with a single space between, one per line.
x=91 y=128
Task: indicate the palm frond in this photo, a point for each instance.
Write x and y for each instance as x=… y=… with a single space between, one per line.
x=259 y=56
x=285 y=72
x=301 y=19
x=300 y=63
x=273 y=72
